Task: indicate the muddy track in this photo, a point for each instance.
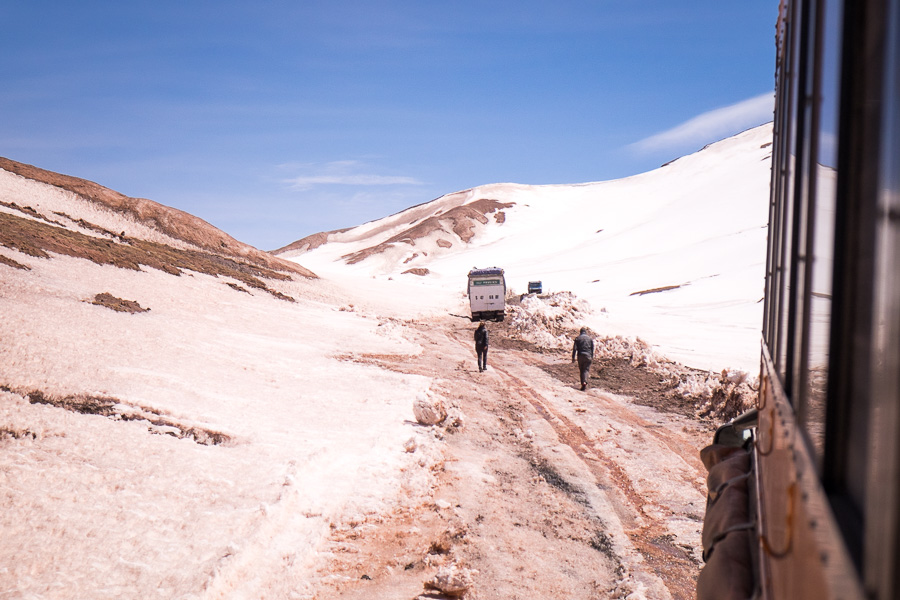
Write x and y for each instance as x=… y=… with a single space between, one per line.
x=679 y=445
x=590 y=496
x=672 y=563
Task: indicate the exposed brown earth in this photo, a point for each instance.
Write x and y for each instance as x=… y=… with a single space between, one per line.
x=171 y=221
x=310 y=242
x=40 y=239
x=664 y=288
x=4 y=260
x=158 y=423
x=118 y=304
x=459 y=220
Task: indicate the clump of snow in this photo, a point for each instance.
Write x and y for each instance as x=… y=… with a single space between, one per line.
x=547 y=321
x=429 y=409
x=639 y=593
x=635 y=350
x=722 y=396
x=455 y=418
x=453 y=580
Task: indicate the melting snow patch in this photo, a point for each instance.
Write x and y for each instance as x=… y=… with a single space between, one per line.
x=549 y=322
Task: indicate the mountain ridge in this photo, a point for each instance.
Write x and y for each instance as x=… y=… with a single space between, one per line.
x=695 y=227
x=171 y=221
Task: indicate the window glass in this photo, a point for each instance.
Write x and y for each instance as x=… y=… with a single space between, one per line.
x=780 y=150
x=886 y=354
x=881 y=501
x=804 y=208
x=783 y=261
x=823 y=215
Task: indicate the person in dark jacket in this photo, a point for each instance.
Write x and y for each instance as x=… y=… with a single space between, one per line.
x=583 y=350
x=481 y=346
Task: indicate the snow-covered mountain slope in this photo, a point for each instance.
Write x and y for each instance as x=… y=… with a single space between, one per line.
x=178 y=413
x=675 y=256
x=184 y=416
x=138 y=217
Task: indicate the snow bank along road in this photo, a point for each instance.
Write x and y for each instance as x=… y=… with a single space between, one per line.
x=544 y=491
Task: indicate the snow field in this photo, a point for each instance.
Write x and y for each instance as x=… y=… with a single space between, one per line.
x=698 y=223
x=315 y=439
x=107 y=508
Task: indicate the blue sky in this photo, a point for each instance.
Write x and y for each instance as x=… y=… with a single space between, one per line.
x=275 y=120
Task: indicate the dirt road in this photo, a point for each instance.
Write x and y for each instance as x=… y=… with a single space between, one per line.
x=544 y=491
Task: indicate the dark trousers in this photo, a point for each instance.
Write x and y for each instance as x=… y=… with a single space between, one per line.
x=481 y=351
x=584 y=367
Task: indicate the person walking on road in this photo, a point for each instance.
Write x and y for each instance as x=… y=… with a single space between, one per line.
x=583 y=349
x=481 y=346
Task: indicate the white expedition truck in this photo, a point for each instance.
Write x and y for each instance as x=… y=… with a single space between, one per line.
x=487 y=293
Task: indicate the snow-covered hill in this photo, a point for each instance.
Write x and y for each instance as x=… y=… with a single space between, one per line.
x=184 y=416
x=675 y=256
x=178 y=416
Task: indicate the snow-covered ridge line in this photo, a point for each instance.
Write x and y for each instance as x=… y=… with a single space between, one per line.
x=154 y=218
x=694 y=228
x=108 y=494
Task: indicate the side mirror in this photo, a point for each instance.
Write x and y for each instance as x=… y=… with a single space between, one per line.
x=738 y=430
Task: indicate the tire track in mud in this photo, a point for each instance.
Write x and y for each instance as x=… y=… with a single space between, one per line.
x=688 y=453
x=652 y=539
x=647 y=544
x=522 y=527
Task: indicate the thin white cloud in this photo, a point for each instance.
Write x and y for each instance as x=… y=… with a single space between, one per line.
x=711 y=126
x=342 y=172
